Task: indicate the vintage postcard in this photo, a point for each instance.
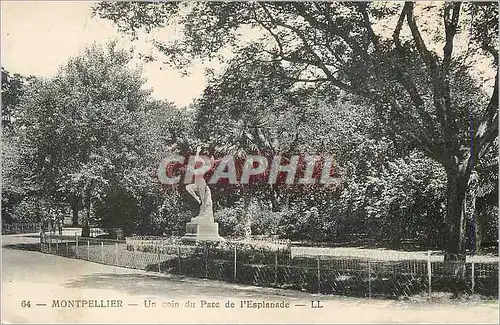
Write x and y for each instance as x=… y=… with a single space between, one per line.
x=254 y=162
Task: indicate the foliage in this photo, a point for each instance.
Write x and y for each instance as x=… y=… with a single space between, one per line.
x=13 y=88
x=91 y=138
x=412 y=128
x=413 y=87
x=77 y=131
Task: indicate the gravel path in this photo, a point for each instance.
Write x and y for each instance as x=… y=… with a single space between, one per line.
x=41 y=279
x=382 y=254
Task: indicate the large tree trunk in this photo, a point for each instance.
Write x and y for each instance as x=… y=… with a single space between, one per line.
x=245 y=227
x=75 y=208
x=454 y=257
x=455 y=214
x=477 y=228
x=395 y=231
x=85 y=225
x=274 y=195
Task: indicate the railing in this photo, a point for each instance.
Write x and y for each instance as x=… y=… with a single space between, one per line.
x=21 y=228
x=155 y=243
x=365 y=276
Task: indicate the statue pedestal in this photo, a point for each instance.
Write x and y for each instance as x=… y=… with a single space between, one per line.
x=202 y=230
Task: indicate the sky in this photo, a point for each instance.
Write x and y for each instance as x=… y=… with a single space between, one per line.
x=39 y=36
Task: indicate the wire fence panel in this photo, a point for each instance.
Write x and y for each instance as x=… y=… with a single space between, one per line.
x=220 y=270
x=398 y=278
x=485 y=279
x=21 y=228
x=341 y=275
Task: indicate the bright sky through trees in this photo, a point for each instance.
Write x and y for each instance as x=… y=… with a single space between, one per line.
x=37 y=37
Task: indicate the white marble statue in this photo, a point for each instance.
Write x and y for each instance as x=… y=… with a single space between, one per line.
x=201 y=192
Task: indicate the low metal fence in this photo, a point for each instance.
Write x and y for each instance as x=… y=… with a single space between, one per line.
x=342 y=275
x=20 y=228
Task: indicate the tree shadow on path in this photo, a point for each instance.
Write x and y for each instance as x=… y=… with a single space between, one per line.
x=175 y=286
x=24 y=247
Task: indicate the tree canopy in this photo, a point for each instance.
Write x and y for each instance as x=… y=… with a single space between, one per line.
x=402 y=95
x=379 y=52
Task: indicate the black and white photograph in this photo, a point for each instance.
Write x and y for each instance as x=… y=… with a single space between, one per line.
x=249 y=162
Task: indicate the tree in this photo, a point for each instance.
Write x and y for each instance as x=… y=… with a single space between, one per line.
x=14 y=191
x=164 y=129
x=252 y=110
x=78 y=131
x=344 y=45
x=13 y=87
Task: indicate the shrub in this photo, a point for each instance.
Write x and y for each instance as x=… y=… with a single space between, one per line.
x=228 y=220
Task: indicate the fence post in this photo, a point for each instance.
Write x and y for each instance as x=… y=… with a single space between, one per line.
x=234 y=271
x=102 y=252
x=429 y=271
x=67 y=250
x=276 y=268
x=159 y=267
x=76 y=239
x=50 y=239
x=472 y=277
x=88 y=250
x=134 y=257
x=179 y=258
x=369 y=279
x=116 y=254
x=206 y=261
x=318 y=275
x=57 y=247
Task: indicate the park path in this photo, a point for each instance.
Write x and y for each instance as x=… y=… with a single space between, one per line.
x=40 y=278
